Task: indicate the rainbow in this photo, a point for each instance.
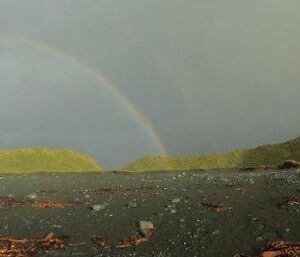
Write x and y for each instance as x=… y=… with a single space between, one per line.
x=96 y=74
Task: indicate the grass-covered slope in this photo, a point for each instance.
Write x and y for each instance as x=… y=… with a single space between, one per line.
x=45 y=159
x=267 y=155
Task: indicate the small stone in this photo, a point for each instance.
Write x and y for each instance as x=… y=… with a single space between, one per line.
x=172 y=211
x=176 y=200
x=98 y=207
x=145 y=225
x=261 y=227
x=215 y=233
x=56 y=226
x=32 y=196
x=259 y=239
x=132 y=205
x=11 y=196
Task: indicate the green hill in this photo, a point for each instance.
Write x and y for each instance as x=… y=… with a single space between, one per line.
x=266 y=155
x=46 y=160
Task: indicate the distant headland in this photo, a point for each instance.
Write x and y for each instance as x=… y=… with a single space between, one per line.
x=42 y=159
x=258 y=158
x=45 y=160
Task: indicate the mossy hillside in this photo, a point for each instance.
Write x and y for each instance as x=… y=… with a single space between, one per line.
x=267 y=155
x=45 y=160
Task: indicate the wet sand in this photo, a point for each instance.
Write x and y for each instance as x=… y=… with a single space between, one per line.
x=182 y=206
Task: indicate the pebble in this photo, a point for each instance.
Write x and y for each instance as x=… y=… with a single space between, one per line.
x=259 y=238
x=254 y=219
x=176 y=200
x=98 y=207
x=173 y=211
x=32 y=196
x=145 y=225
x=11 y=196
x=56 y=226
x=215 y=233
x=132 y=205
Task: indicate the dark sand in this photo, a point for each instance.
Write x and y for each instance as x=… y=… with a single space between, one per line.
x=186 y=227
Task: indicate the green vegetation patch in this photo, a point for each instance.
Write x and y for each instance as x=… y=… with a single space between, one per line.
x=267 y=155
x=45 y=160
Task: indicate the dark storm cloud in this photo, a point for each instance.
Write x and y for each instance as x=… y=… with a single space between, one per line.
x=211 y=75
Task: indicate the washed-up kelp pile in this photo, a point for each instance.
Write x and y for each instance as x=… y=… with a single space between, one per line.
x=13 y=247
x=278 y=249
x=146 y=234
x=12 y=202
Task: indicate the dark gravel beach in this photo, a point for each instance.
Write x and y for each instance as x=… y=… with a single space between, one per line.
x=213 y=214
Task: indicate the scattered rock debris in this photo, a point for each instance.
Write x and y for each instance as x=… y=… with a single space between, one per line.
x=142 y=191
x=12 y=247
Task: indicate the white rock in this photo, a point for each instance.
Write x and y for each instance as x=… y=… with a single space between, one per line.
x=173 y=211
x=145 y=225
x=11 y=196
x=32 y=196
x=176 y=200
x=98 y=207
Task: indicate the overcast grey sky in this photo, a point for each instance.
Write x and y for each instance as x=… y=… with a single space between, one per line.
x=211 y=75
